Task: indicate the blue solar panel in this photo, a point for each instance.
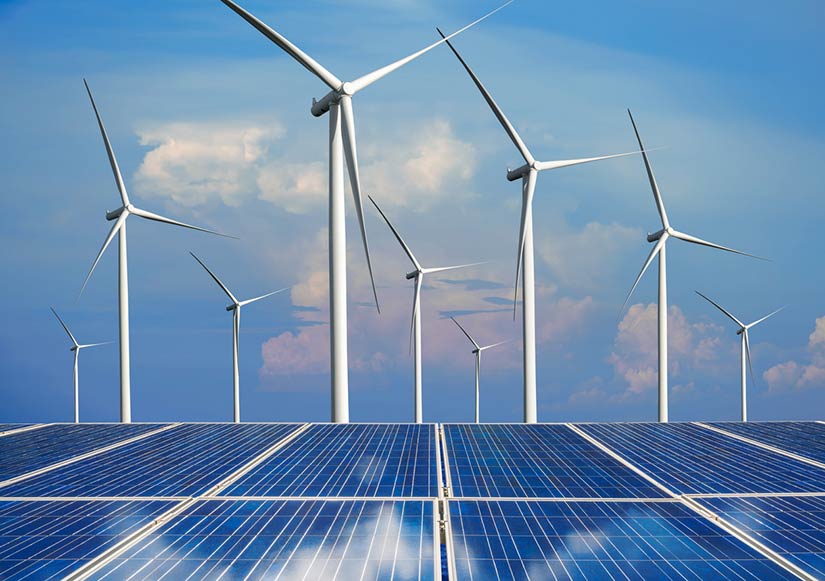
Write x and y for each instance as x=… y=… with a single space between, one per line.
x=690 y=459
x=34 y=449
x=793 y=526
x=803 y=438
x=597 y=540
x=296 y=539
x=536 y=461
x=353 y=460
x=8 y=427
x=48 y=540
x=182 y=461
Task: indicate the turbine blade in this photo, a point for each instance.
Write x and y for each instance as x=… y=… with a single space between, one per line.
x=547 y=165
x=124 y=197
x=65 y=327
x=165 y=220
x=502 y=118
x=463 y=330
x=397 y=235
x=528 y=189
x=115 y=228
x=653 y=253
x=368 y=79
x=763 y=318
x=443 y=268
x=748 y=355
x=94 y=344
x=216 y=279
x=494 y=345
x=695 y=240
x=249 y=301
x=657 y=195
x=416 y=302
x=351 y=153
x=730 y=316
x=304 y=59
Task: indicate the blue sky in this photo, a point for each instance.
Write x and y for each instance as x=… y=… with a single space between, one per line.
x=211 y=125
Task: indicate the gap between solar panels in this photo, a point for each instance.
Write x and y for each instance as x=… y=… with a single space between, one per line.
x=22 y=429
x=445 y=535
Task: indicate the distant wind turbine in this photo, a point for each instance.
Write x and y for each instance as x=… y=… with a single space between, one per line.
x=415 y=327
x=527 y=173
x=76 y=347
x=235 y=307
x=119 y=216
x=338 y=102
x=745 y=349
x=660 y=238
x=477 y=352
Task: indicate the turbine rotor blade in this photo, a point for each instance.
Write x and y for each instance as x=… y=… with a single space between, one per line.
x=656 y=248
x=730 y=316
x=657 y=195
x=416 y=306
x=165 y=220
x=548 y=165
x=65 y=327
x=763 y=318
x=463 y=330
x=304 y=59
x=94 y=344
x=443 y=268
x=494 y=345
x=366 y=80
x=124 y=197
x=528 y=189
x=695 y=240
x=249 y=301
x=748 y=355
x=115 y=228
x=397 y=235
x=216 y=279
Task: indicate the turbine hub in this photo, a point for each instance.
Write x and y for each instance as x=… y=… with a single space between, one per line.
x=347 y=89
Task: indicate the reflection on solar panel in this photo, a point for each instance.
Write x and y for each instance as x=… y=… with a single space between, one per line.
x=35 y=449
x=597 y=540
x=183 y=461
x=793 y=526
x=360 y=460
x=296 y=539
x=803 y=438
x=517 y=460
x=694 y=460
x=47 y=540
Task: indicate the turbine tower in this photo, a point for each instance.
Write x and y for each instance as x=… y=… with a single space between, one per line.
x=338 y=102
x=76 y=347
x=527 y=173
x=660 y=238
x=119 y=216
x=415 y=328
x=477 y=352
x=235 y=308
x=745 y=349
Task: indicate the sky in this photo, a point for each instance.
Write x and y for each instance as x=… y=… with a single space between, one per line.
x=210 y=123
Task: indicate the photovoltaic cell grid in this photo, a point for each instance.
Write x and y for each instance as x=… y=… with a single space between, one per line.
x=287 y=539
x=690 y=459
x=182 y=461
x=803 y=438
x=597 y=540
x=535 y=461
x=47 y=540
x=793 y=526
x=355 y=460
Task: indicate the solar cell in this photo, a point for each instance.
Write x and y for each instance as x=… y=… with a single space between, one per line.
x=34 y=449
x=183 y=461
x=535 y=461
x=296 y=539
x=793 y=526
x=690 y=459
x=352 y=460
x=518 y=539
x=48 y=540
x=803 y=438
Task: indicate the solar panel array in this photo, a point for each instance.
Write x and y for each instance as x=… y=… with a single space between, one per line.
x=401 y=501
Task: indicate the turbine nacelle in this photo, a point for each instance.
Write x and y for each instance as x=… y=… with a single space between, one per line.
x=653 y=237
x=413 y=274
x=513 y=175
x=231 y=307
x=115 y=214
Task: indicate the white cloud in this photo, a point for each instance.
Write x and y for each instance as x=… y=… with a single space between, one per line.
x=295 y=187
x=792 y=375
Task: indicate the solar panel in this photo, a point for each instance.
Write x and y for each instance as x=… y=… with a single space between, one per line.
x=517 y=539
x=182 y=461
x=535 y=461
x=296 y=539
x=6 y=427
x=803 y=438
x=793 y=526
x=690 y=459
x=352 y=460
x=48 y=540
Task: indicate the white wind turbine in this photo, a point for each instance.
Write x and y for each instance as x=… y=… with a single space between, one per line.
x=235 y=307
x=660 y=238
x=119 y=216
x=477 y=352
x=415 y=330
x=338 y=102
x=76 y=347
x=527 y=173
x=745 y=349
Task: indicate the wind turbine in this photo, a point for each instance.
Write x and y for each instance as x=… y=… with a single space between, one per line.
x=477 y=352
x=527 y=173
x=76 y=347
x=660 y=238
x=745 y=349
x=338 y=102
x=119 y=216
x=235 y=307
x=415 y=328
